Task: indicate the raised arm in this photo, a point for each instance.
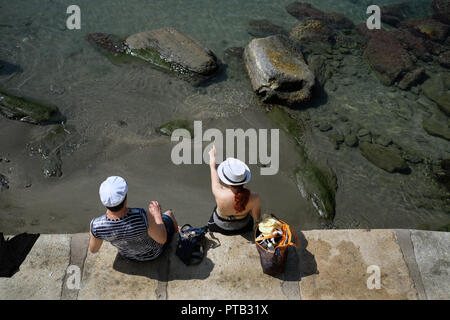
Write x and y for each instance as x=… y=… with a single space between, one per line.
x=156 y=229
x=215 y=182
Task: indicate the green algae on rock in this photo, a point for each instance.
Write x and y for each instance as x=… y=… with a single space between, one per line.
x=315 y=184
x=26 y=110
x=168 y=47
x=383 y=157
x=169 y=127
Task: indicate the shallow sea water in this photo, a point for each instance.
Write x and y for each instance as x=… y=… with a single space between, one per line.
x=116 y=108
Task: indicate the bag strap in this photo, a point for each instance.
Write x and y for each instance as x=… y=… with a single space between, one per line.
x=291 y=233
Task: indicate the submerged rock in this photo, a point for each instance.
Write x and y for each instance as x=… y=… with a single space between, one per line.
x=322 y=70
x=169 y=127
x=3 y=183
x=278 y=71
x=235 y=52
x=57 y=142
x=26 y=110
x=442 y=175
x=437 y=89
x=314 y=34
x=442 y=10
x=53 y=165
x=437 y=125
x=351 y=140
x=420 y=47
x=394 y=14
x=107 y=43
x=317 y=186
x=261 y=28
x=171 y=49
x=333 y=20
x=387 y=57
x=383 y=157
x=430 y=28
x=411 y=78
x=444 y=59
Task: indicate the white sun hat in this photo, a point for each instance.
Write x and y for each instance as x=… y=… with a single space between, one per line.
x=113 y=191
x=234 y=172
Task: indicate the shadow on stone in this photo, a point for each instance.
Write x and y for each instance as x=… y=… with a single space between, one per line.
x=300 y=262
x=14 y=251
x=158 y=269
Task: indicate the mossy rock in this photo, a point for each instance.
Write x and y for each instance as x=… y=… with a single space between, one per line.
x=151 y=55
x=383 y=157
x=169 y=127
x=315 y=183
x=285 y=122
x=316 y=186
x=26 y=110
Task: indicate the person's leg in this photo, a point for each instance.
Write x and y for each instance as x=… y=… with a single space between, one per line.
x=172 y=216
x=171 y=225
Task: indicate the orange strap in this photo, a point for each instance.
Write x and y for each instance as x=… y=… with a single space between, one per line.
x=286 y=239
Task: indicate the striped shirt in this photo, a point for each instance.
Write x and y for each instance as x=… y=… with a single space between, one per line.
x=128 y=234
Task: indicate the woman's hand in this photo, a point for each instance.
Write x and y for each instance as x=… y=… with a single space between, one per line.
x=212 y=156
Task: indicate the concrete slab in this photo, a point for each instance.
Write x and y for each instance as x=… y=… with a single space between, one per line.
x=41 y=274
x=79 y=244
x=432 y=251
x=108 y=276
x=403 y=237
x=342 y=259
x=231 y=270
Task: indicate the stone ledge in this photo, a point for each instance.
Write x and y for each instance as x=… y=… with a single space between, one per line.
x=330 y=264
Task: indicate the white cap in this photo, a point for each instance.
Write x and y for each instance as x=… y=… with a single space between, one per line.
x=234 y=172
x=113 y=191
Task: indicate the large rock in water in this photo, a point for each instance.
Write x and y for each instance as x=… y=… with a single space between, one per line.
x=22 y=109
x=442 y=10
x=173 y=49
x=387 y=57
x=383 y=157
x=278 y=71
